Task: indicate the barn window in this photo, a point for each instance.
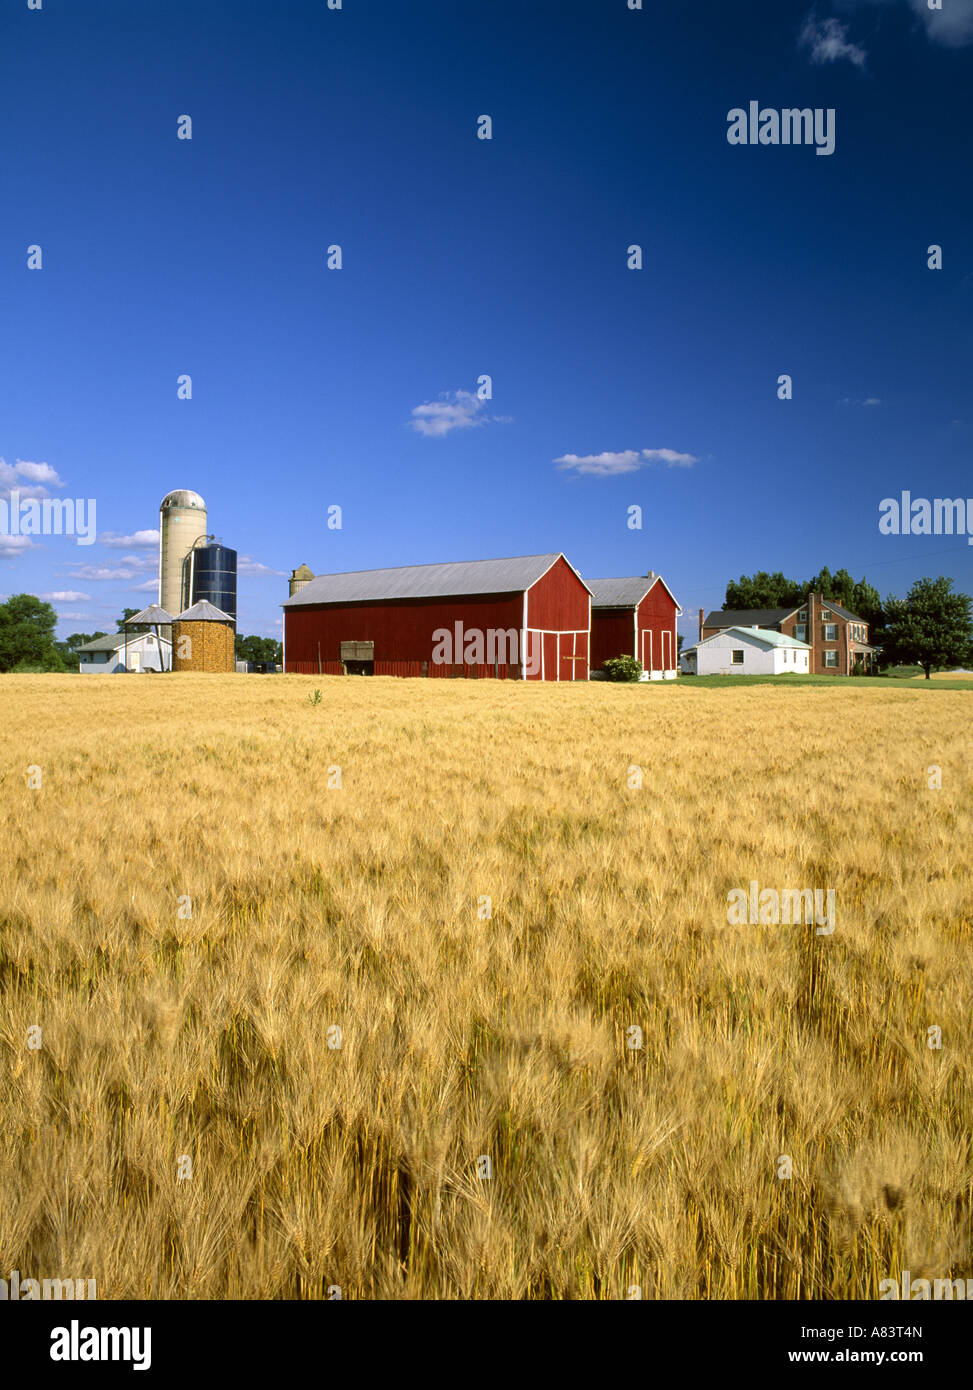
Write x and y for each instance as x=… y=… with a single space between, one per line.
x=736 y=656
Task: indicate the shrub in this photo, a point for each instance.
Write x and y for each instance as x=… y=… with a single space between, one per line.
x=622 y=668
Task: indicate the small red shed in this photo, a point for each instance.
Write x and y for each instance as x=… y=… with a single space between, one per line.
x=526 y=618
x=635 y=617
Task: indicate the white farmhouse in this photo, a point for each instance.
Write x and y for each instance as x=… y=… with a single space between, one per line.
x=108 y=654
x=747 y=651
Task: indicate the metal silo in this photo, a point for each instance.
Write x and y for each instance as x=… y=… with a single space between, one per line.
x=213 y=571
x=182 y=522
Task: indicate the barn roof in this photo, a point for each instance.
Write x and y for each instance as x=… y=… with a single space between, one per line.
x=620 y=593
x=426 y=581
x=626 y=593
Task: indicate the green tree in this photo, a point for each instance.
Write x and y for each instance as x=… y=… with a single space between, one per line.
x=763 y=590
x=78 y=639
x=931 y=626
x=259 y=650
x=27 y=626
x=130 y=613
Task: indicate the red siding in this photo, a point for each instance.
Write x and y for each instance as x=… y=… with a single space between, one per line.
x=613 y=632
x=402 y=631
x=657 y=615
x=557 y=605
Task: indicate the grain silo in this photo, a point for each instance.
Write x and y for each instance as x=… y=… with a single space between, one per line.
x=299 y=577
x=203 y=639
x=182 y=522
x=212 y=576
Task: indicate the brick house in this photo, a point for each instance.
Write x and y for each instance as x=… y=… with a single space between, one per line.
x=838 y=639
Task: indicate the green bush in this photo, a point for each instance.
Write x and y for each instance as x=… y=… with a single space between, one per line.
x=622 y=668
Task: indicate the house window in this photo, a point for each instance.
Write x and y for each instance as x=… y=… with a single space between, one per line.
x=831 y=659
x=736 y=656
x=800 y=631
x=802 y=616
x=831 y=632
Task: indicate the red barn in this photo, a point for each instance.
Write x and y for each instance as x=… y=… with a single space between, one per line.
x=527 y=618
x=635 y=617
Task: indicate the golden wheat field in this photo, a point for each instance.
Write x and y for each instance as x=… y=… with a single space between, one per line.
x=463 y=1037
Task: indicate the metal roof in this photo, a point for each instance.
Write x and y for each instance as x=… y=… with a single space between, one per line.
x=762 y=634
x=621 y=593
x=149 y=616
x=748 y=617
x=183 y=497
x=426 y=581
x=203 y=612
x=102 y=644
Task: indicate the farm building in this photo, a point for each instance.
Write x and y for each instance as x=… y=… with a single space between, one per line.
x=526 y=618
x=203 y=639
x=635 y=617
x=108 y=654
x=747 y=651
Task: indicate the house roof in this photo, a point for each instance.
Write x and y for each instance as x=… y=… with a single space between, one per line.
x=115 y=641
x=203 y=612
x=102 y=644
x=841 y=612
x=747 y=617
x=426 y=581
x=759 y=634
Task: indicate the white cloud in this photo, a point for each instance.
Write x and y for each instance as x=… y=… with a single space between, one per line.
x=15 y=545
x=246 y=564
x=148 y=586
x=127 y=567
x=38 y=472
x=89 y=617
x=855 y=400
x=454 y=410
x=827 y=39
x=65 y=596
x=627 y=461
x=143 y=539
x=951 y=26
x=27 y=478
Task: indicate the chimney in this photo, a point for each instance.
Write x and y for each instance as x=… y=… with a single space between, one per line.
x=700 y=625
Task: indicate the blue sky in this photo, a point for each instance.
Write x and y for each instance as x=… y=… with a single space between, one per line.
x=465 y=257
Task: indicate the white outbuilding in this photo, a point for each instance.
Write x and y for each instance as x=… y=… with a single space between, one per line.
x=109 y=654
x=747 y=651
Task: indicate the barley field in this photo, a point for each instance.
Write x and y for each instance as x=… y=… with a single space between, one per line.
x=189 y=913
